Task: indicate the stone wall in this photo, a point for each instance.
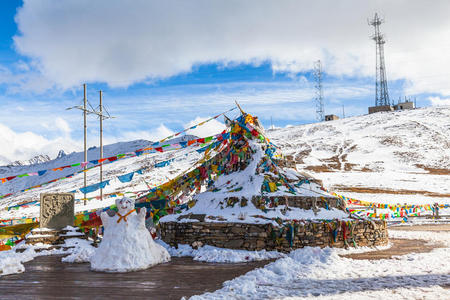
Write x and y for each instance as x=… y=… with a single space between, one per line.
x=267 y=236
x=303 y=202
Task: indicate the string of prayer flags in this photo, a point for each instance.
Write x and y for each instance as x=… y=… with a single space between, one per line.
x=160 y=148
x=157 y=165
x=127 y=155
x=13 y=222
x=163 y=163
x=195 y=126
x=94 y=187
x=128 y=177
x=399 y=210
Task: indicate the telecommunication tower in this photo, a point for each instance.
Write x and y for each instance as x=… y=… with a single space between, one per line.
x=381 y=88
x=320 y=113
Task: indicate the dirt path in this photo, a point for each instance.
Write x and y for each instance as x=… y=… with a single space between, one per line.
x=425 y=227
x=404 y=246
x=399 y=247
x=46 y=277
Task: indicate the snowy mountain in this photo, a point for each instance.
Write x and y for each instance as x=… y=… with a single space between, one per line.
x=38 y=159
x=61 y=154
x=401 y=156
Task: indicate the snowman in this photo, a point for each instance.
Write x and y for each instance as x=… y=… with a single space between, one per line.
x=127 y=245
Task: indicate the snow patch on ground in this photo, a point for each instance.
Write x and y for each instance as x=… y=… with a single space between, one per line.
x=220 y=255
x=322 y=273
x=82 y=252
x=11 y=262
x=433 y=292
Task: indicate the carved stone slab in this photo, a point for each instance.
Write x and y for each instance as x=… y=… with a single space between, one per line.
x=57 y=210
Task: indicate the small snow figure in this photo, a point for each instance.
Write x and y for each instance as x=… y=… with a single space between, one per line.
x=127 y=245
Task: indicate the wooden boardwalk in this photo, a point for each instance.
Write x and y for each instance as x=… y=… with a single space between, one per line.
x=46 y=277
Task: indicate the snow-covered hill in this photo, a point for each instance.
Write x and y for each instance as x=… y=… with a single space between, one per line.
x=399 y=156
x=387 y=157
x=110 y=171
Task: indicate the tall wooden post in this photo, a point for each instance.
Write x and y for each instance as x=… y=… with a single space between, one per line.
x=85 y=143
x=101 y=145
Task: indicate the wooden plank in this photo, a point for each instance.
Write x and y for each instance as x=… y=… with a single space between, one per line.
x=47 y=277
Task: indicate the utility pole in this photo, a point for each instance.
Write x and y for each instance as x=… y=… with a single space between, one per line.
x=102 y=116
x=85 y=139
x=320 y=114
x=343 y=112
x=85 y=112
x=101 y=145
x=381 y=88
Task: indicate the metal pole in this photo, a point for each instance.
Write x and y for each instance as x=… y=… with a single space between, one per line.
x=101 y=145
x=85 y=134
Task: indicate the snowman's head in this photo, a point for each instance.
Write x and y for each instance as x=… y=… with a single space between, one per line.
x=124 y=205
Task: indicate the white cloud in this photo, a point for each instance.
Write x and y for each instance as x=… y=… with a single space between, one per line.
x=154 y=135
x=143 y=40
x=62 y=125
x=210 y=128
x=59 y=125
x=438 y=101
x=24 y=78
x=25 y=145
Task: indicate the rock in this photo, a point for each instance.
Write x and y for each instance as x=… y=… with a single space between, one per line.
x=234 y=244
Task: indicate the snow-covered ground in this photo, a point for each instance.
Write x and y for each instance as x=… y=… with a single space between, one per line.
x=220 y=255
x=389 y=157
x=11 y=262
x=308 y=273
x=314 y=273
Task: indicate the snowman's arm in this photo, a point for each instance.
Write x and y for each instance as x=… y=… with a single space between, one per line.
x=142 y=214
x=105 y=218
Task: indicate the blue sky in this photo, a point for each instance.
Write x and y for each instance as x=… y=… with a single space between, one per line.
x=164 y=66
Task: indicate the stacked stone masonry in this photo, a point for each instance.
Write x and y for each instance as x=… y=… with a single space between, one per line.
x=270 y=237
x=303 y=202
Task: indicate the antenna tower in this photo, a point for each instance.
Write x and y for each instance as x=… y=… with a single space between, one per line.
x=381 y=88
x=319 y=92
